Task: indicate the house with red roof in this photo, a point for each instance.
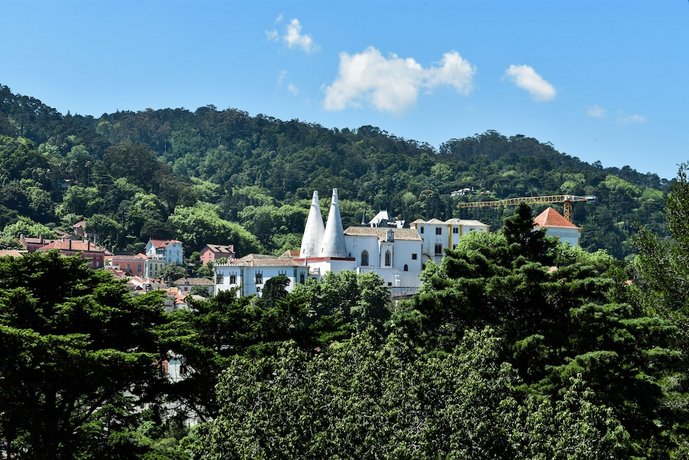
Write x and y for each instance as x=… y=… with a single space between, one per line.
x=170 y=252
x=130 y=265
x=85 y=249
x=212 y=252
x=556 y=225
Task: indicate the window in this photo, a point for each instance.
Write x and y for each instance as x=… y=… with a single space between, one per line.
x=406 y=267
x=420 y=228
x=302 y=278
x=233 y=279
x=258 y=290
x=390 y=236
x=219 y=278
x=438 y=249
x=414 y=256
x=259 y=278
x=364 y=258
x=455 y=230
x=438 y=231
x=388 y=258
x=138 y=268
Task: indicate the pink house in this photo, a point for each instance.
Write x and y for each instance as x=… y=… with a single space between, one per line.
x=212 y=252
x=85 y=249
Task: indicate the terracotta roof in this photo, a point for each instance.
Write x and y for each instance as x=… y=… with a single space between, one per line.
x=551 y=218
x=72 y=245
x=193 y=282
x=290 y=254
x=163 y=243
x=381 y=233
x=81 y=223
x=12 y=252
x=262 y=260
x=222 y=249
x=124 y=258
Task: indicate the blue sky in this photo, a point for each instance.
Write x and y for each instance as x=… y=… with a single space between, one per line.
x=601 y=80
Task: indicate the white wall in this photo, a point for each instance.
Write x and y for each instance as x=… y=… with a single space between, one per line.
x=246 y=277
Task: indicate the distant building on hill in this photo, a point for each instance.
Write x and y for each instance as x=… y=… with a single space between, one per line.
x=392 y=253
x=250 y=273
x=130 y=265
x=170 y=252
x=186 y=284
x=212 y=252
x=85 y=249
x=438 y=236
x=556 y=225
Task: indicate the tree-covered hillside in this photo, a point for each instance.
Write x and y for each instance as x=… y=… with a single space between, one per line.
x=167 y=172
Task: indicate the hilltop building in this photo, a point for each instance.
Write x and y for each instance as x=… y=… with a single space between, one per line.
x=213 y=252
x=85 y=249
x=556 y=225
x=250 y=273
x=394 y=254
x=438 y=236
x=170 y=252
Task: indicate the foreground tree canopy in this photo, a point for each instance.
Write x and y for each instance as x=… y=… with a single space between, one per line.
x=75 y=346
x=516 y=347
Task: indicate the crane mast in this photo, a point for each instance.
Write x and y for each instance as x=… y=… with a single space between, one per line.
x=567 y=201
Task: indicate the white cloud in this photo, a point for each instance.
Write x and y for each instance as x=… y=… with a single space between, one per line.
x=392 y=84
x=634 y=118
x=526 y=78
x=272 y=35
x=281 y=77
x=596 y=111
x=293 y=89
x=293 y=36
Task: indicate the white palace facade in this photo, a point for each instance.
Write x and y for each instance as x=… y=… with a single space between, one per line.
x=394 y=254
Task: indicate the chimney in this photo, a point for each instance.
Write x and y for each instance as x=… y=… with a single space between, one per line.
x=88 y=246
x=70 y=244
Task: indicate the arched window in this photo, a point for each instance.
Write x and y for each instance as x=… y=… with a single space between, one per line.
x=406 y=267
x=364 y=258
x=388 y=258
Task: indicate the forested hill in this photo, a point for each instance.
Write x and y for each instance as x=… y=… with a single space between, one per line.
x=165 y=172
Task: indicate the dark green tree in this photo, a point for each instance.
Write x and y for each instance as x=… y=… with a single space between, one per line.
x=73 y=341
x=562 y=313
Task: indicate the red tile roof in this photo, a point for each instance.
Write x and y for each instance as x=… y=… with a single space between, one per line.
x=551 y=218
x=71 y=245
x=221 y=249
x=162 y=243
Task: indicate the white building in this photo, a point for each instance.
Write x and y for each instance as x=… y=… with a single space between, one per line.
x=556 y=225
x=394 y=254
x=250 y=273
x=438 y=236
x=169 y=251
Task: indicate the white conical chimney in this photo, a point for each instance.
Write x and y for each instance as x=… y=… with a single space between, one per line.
x=313 y=232
x=333 y=238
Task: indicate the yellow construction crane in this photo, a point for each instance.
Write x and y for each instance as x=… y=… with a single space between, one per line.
x=566 y=199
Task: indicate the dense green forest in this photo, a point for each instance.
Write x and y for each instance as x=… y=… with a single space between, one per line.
x=222 y=176
x=516 y=347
